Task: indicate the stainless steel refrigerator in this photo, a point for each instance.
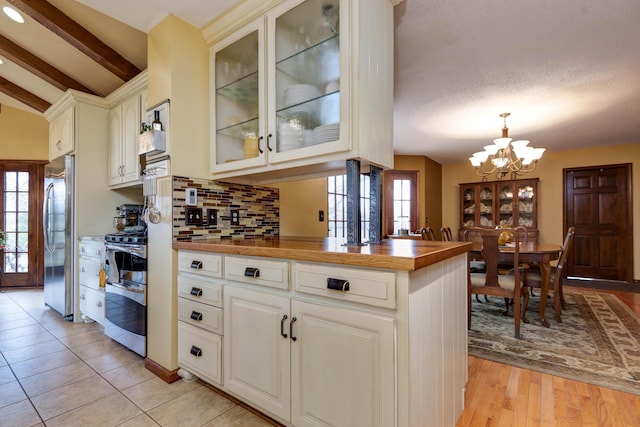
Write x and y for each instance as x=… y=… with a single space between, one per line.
x=58 y=211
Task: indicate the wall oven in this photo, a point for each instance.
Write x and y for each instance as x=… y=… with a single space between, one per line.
x=126 y=291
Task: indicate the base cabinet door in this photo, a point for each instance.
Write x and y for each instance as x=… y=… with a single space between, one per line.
x=358 y=390
x=256 y=354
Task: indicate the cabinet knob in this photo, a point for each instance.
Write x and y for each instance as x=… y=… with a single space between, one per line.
x=337 y=284
x=196 y=316
x=196 y=292
x=259 y=148
x=293 y=320
x=196 y=265
x=268 y=142
x=196 y=351
x=282 y=332
x=252 y=272
x=82 y=296
x=81 y=269
x=99 y=304
x=59 y=144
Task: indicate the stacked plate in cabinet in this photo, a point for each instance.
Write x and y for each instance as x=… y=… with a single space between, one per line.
x=297 y=94
x=327 y=133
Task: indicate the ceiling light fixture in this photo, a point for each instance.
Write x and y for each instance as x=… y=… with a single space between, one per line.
x=505 y=156
x=13 y=14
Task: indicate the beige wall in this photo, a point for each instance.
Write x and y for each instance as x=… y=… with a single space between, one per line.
x=300 y=201
x=549 y=170
x=23 y=136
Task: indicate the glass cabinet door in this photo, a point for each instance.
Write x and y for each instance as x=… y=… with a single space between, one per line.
x=486 y=205
x=526 y=210
x=505 y=205
x=469 y=207
x=306 y=52
x=237 y=100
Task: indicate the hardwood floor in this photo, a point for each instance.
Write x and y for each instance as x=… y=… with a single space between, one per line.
x=502 y=395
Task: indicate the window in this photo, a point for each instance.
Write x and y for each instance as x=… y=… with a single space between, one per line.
x=400 y=201
x=337 y=206
x=16 y=222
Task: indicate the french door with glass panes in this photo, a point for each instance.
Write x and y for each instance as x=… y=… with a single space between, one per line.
x=20 y=223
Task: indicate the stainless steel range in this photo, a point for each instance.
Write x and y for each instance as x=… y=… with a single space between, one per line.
x=126 y=287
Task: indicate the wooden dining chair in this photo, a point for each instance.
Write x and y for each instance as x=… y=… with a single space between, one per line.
x=427 y=233
x=533 y=278
x=445 y=234
x=509 y=285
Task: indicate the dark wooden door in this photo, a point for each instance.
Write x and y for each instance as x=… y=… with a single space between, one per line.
x=598 y=203
x=22 y=255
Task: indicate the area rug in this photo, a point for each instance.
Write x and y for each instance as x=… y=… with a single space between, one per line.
x=598 y=341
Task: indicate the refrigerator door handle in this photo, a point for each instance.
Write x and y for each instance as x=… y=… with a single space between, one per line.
x=46 y=219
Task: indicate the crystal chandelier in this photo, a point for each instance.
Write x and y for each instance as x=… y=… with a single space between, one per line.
x=506 y=156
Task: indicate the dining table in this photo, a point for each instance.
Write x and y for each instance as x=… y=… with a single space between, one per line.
x=530 y=253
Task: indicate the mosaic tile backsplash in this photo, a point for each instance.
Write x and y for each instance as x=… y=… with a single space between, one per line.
x=258 y=209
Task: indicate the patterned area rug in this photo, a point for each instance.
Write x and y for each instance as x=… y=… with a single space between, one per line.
x=598 y=341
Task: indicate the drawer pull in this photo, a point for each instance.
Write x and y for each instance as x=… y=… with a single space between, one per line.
x=282 y=332
x=252 y=272
x=196 y=292
x=196 y=316
x=293 y=320
x=197 y=352
x=338 y=284
x=197 y=265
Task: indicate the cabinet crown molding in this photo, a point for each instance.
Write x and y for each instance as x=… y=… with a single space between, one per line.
x=235 y=18
x=132 y=87
x=69 y=98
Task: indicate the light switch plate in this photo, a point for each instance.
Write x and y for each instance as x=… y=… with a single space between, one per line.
x=191 y=197
x=193 y=216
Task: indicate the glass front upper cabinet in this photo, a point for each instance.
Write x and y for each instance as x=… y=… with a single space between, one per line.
x=238 y=116
x=307 y=75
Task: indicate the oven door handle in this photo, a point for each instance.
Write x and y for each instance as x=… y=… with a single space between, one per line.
x=126 y=288
x=138 y=250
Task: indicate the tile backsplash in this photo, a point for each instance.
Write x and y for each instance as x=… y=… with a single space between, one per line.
x=258 y=208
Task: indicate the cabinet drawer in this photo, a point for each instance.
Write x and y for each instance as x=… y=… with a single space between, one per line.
x=365 y=286
x=200 y=263
x=92 y=304
x=92 y=248
x=202 y=315
x=257 y=271
x=200 y=352
x=199 y=289
x=89 y=272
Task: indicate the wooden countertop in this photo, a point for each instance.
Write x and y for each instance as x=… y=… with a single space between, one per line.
x=395 y=254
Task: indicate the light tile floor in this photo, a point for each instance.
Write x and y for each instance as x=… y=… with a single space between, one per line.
x=58 y=373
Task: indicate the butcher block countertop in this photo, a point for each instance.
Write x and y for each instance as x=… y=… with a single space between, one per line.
x=394 y=254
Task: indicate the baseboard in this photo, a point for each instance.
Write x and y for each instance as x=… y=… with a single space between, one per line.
x=160 y=371
x=609 y=285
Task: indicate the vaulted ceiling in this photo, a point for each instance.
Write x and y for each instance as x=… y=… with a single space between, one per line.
x=569 y=72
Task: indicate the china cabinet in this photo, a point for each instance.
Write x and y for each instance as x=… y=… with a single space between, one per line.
x=500 y=204
x=289 y=90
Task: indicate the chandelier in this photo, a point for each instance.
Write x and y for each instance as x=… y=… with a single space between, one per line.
x=505 y=156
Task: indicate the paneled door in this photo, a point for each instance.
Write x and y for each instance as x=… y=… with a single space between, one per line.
x=21 y=223
x=598 y=203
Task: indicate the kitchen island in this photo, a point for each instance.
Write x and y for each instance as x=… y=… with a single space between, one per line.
x=310 y=331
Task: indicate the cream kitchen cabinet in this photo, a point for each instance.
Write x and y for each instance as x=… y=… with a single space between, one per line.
x=347 y=355
x=90 y=261
x=316 y=343
x=61 y=139
x=127 y=112
x=317 y=363
x=200 y=303
x=301 y=88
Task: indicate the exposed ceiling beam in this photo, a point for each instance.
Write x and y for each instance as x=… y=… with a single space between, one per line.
x=40 y=68
x=23 y=96
x=73 y=33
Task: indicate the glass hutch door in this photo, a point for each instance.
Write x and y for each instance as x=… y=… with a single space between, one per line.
x=238 y=98
x=306 y=55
